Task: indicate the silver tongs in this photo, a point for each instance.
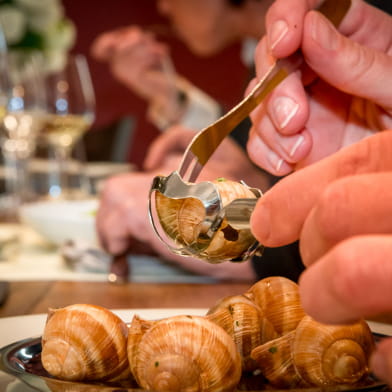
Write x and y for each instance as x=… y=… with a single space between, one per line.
x=180 y=184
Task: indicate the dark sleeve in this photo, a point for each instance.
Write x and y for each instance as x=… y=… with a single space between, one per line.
x=281 y=261
x=385 y=5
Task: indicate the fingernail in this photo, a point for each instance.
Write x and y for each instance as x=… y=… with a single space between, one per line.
x=296 y=145
x=292 y=144
x=275 y=160
x=278 y=31
x=379 y=366
x=324 y=33
x=284 y=109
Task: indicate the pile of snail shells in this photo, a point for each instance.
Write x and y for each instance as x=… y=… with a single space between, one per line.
x=264 y=330
x=89 y=343
x=181 y=220
x=288 y=347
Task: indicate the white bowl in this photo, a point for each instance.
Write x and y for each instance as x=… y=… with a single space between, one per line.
x=59 y=221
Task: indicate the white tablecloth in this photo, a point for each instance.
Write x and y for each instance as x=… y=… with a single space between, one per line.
x=30 y=257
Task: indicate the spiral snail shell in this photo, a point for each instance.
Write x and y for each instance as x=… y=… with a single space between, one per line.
x=316 y=354
x=279 y=300
x=182 y=220
x=183 y=353
x=245 y=323
x=85 y=342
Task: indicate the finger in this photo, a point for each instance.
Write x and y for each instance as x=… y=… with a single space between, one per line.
x=112 y=233
x=174 y=140
x=102 y=46
x=284 y=24
x=279 y=215
x=351 y=281
x=381 y=361
x=291 y=148
x=266 y=158
x=350 y=67
x=109 y=43
x=351 y=206
x=287 y=105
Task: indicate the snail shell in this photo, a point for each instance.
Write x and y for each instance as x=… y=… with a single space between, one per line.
x=279 y=299
x=183 y=353
x=316 y=354
x=245 y=323
x=181 y=219
x=85 y=342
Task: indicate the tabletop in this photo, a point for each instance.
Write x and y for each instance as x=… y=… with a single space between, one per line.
x=32 y=299
x=36 y=297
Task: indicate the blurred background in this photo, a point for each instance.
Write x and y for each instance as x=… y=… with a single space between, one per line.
x=119 y=112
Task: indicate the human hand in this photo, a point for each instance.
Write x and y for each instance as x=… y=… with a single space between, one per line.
x=136 y=59
x=338 y=98
x=229 y=160
x=339 y=210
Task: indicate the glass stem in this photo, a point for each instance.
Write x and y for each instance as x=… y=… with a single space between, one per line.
x=62 y=155
x=17 y=181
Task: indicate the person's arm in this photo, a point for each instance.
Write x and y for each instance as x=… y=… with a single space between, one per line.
x=143 y=64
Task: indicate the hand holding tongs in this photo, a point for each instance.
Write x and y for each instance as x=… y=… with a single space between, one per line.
x=179 y=184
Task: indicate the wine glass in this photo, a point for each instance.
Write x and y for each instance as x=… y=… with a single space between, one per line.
x=22 y=110
x=70 y=103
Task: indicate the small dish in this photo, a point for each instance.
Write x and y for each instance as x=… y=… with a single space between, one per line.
x=61 y=220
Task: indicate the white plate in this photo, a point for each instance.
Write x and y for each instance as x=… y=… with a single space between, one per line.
x=14 y=329
x=17 y=328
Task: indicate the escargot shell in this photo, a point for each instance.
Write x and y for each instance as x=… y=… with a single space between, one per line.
x=316 y=354
x=85 y=342
x=245 y=323
x=183 y=353
x=278 y=298
x=182 y=220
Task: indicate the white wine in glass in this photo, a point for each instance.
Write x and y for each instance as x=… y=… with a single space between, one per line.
x=70 y=113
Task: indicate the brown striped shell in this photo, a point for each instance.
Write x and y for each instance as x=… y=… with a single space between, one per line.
x=278 y=298
x=181 y=219
x=183 y=353
x=245 y=323
x=316 y=354
x=85 y=342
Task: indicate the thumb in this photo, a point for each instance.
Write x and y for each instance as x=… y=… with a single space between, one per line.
x=361 y=70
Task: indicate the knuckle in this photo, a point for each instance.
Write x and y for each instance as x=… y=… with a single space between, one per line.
x=371 y=154
x=331 y=211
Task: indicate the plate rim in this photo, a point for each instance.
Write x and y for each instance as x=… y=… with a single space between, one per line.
x=26 y=377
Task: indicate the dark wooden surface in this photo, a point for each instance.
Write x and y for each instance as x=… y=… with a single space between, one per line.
x=37 y=297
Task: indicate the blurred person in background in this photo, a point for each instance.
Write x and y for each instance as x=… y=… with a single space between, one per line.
x=144 y=65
